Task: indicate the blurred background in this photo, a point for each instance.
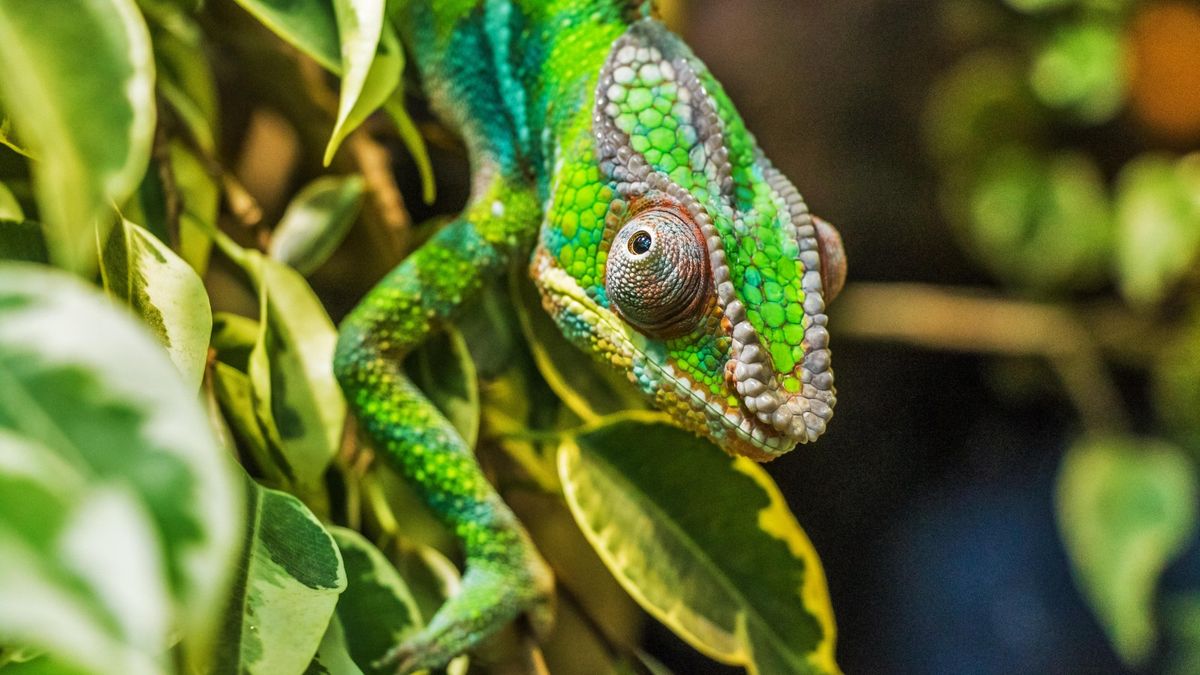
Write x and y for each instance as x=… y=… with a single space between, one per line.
x=1008 y=484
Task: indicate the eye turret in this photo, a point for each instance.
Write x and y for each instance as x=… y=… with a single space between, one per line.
x=657 y=275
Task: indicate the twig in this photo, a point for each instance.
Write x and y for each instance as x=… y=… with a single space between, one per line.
x=375 y=162
x=973 y=321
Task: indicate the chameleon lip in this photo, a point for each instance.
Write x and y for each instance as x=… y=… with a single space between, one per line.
x=748 y=437
x=794 y=418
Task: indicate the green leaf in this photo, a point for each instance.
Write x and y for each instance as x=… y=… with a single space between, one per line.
x=10 y=208
x=291 y=575
x=588 y=388
x=117 y=520
x=23 y=240
x=445 y=372
x=1081 y=69
x=298 y=400
x=143 y=273
x=316 y=221
x=732 y=573
x=1158 y=225
x=376 y=611
x=1177 y=386
x=1041 y=221
x=308 y=25
x=371 y=63
x=81 y=93
x=7 y=140
x=201 y=199
x=233 y=339
x=1125 y=509
x=235 y=396
x=414 y=142
x=185 y=79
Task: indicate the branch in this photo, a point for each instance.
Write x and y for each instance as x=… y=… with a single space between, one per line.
x=972 y=320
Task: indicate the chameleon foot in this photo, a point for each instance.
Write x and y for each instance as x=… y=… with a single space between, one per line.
x=492 y=594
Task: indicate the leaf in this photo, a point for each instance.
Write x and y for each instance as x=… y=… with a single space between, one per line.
x=308 y=25
x=1081 y=69
x=290 y=578
x=143 y=273
x=371 y=63
x=1041 y=221
x=316 y=221
x=185 y=79
x=1158 y=225
x=376 y=611
x=443 y=369
x=414 y=142
x=117 y=520
x=1125 y=509
x=589 y=391
x=7 y=140
x=201 y=199
x=236 y=398
x=23 y=240
x=1177 y=386
x=298 y=401
x=81 y=93
x=10 y=208
x=731 y=573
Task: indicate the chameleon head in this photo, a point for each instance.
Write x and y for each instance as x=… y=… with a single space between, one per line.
x=678 y=253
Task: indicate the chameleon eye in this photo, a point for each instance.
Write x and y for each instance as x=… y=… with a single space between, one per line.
x=657 y=275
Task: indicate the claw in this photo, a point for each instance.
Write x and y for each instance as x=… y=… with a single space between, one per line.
x=492 y=594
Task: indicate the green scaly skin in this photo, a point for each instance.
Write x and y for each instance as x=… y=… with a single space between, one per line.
x=662 y=240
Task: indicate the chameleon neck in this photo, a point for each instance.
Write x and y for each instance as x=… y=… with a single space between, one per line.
x=515 y=78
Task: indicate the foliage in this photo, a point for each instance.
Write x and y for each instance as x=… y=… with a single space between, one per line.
x=1069 y=222
x=180 y=487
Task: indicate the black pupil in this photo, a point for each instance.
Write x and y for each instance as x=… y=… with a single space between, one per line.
x=640 y=243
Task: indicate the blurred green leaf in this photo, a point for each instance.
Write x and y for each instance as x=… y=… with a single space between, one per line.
x=371 y=64
x=376 y=611
x=185 y=79
x=1158 y=225
x=10 y=208
x=1081 y=69
x=308 y=25
x=201 y=197
x=1043 y=222
x=81 y=93
x=981 y=104
x=316 y=221
x=118 y=522
x=23 y=240
x=1181 y=623
x=1126 y=508
x=157 y=285
x=233 y=339
x=291 y=575
x=414 y=142
x=7 y=140
x=733 y=573
x=1177 y=387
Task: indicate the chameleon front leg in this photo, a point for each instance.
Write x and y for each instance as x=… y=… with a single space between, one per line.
x=505 y=576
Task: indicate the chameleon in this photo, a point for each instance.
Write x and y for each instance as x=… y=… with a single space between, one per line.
x=660 y=238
